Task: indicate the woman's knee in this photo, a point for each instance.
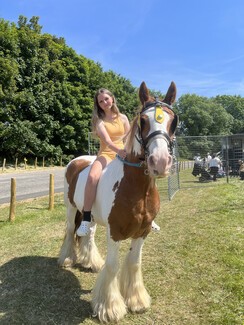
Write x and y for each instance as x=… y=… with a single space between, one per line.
x=93 y=179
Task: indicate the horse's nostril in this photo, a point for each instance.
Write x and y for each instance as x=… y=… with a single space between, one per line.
x=151 y=161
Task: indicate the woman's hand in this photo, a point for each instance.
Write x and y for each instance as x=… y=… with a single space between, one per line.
x=122 y=153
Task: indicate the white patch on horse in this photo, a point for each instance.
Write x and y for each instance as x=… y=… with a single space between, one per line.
x=106 y=191
x=157 y=126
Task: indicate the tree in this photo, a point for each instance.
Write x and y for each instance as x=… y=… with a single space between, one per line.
x=203 y=116
x=234 y=105
x=47 y=88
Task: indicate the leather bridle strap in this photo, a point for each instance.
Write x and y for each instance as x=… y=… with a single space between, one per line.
x=155 y=134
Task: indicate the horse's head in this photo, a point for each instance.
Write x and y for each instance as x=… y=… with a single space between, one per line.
x=157 y=124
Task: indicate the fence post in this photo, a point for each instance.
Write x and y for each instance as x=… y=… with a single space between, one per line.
x=16 y=163
x=12 y=200
x=35 y=162
x=51 y=192
x=4 y=163
x=43 y=161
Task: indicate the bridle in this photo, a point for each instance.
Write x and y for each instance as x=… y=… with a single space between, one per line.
x=145 y=143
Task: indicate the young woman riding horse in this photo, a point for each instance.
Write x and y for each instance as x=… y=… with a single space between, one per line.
x=127 y=201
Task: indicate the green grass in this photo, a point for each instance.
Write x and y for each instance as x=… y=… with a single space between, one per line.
x=193 y=268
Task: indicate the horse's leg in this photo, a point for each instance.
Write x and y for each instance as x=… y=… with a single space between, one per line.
x=89 y=254
x=68 y=252
x=132 y=287
x=107 y=302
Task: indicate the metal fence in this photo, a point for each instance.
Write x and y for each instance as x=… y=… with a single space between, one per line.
x=230 y=150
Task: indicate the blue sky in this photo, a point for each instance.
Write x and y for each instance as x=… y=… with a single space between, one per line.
x=199 y=44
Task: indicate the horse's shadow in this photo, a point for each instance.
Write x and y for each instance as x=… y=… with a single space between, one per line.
x=34 y=290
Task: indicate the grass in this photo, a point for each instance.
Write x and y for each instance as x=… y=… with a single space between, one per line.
x=193 y=268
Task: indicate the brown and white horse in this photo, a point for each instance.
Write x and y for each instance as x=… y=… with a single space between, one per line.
x=127 y=202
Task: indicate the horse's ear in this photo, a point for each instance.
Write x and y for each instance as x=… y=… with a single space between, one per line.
x=171 y=94
x=143 y=93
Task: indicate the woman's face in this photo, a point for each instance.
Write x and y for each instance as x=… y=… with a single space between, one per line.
x=105 y=101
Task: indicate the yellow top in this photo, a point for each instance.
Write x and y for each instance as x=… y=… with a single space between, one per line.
x=116 y=132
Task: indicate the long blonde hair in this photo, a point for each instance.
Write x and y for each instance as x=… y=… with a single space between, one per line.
x=98 y=113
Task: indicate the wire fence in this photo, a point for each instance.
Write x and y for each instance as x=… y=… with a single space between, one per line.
x=199 y=150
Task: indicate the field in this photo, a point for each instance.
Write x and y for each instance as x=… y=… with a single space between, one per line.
x=193 y=268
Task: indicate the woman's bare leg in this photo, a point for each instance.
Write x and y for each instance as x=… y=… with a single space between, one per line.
x=90 y=194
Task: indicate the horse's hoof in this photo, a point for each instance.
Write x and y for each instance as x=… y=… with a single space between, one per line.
x=68 y=262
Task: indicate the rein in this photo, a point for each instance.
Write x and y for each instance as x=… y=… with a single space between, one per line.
x=126 y=162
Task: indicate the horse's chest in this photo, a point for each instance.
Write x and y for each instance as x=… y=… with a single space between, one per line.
x=133 y=211
x=138 y=196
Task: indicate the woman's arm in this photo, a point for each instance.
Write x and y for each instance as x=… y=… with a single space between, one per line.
x=126 y=123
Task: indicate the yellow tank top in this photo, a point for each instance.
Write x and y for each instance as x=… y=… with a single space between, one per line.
x=116 y=132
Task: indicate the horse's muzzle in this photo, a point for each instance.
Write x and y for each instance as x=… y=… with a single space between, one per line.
x=159 y=166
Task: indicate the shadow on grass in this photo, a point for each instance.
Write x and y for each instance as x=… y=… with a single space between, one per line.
x=34 y=290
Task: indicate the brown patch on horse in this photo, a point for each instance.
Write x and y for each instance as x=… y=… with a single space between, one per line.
x=173 y=122
x=145 y=125
x=78 y=219
x=72 y=173
x=133 y=212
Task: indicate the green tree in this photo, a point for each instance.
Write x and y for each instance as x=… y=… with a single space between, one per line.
x=203 y=116
x=234 y=105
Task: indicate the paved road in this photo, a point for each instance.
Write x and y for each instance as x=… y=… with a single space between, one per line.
x=30 y=184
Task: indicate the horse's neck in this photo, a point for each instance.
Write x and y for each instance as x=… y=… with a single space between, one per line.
x=137 y=175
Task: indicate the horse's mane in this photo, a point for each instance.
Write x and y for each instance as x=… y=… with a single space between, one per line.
x=131 y=135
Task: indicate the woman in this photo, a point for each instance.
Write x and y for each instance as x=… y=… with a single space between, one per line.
x=111 y=127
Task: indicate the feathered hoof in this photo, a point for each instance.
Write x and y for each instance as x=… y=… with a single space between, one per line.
x=109 y=314
x=94 y=262
x=139 y=305
x=68 y=262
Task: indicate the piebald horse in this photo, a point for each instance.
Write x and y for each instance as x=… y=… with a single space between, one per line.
x=127 y=201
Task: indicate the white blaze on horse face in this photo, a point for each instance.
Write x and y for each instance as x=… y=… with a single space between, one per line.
x=159 y=160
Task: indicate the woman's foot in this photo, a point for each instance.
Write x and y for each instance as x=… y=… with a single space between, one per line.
x=84 y=229
x=155 y=227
